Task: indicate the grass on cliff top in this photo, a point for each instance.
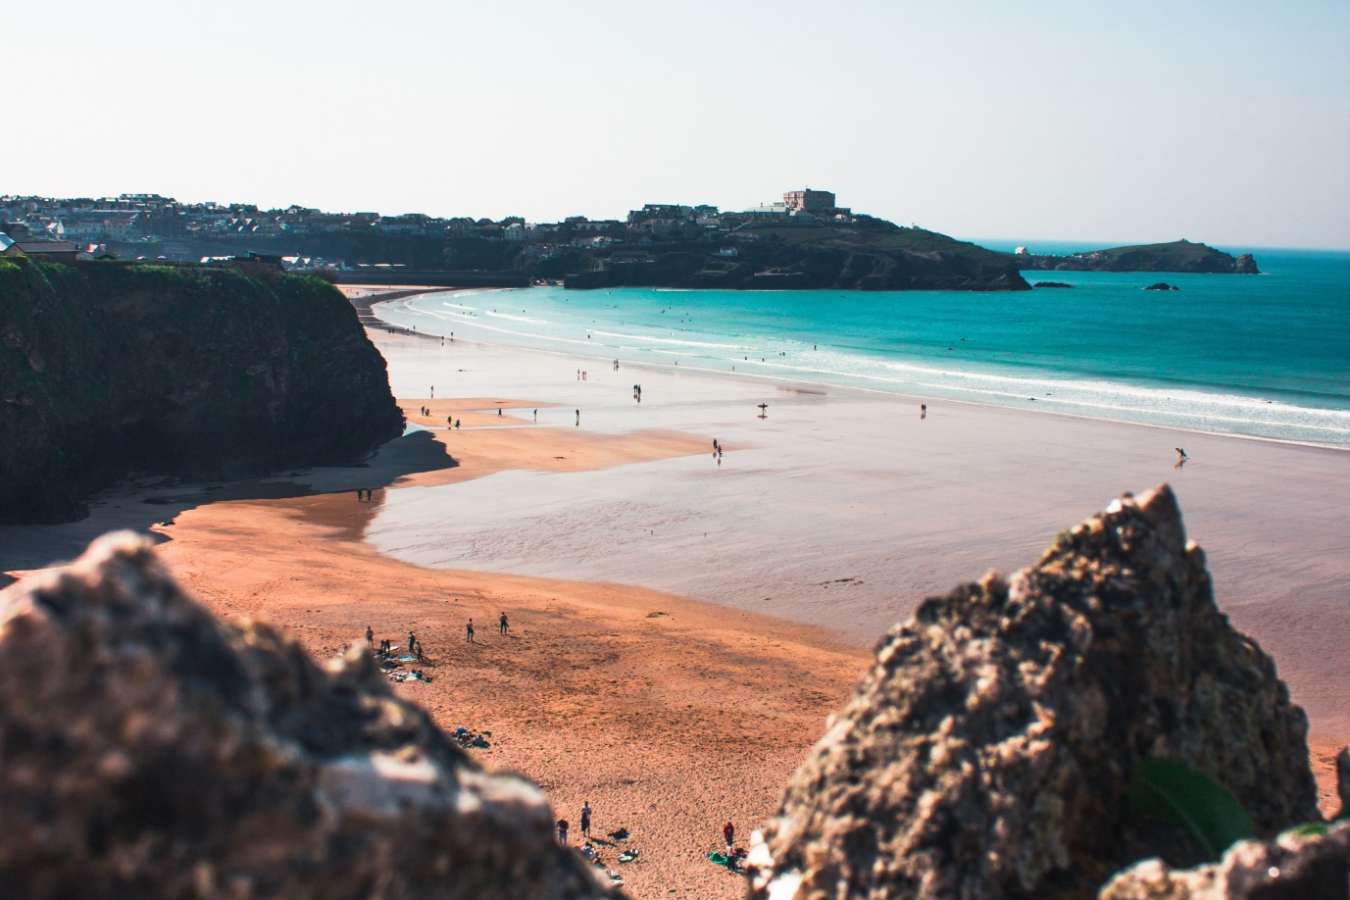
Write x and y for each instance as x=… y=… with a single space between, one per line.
x=163 y=276
x=871 y=234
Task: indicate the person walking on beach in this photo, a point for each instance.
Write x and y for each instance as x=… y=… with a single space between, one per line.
x=536 y=415
x=457 y=424
x=729 y=835
x=499 y=411
x=578 y=418
x=923 y=410
x=468 y=631
x=503 y=624
x=562 y=831
x=433 y=392
x=370 y=637
x=586 y=818
x=412 y=642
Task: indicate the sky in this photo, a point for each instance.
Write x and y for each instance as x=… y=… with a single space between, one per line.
x=1224 y=122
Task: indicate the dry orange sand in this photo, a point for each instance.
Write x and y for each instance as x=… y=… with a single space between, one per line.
x=669 y=716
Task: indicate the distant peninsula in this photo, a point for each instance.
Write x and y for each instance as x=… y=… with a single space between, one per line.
x=1176 y=256
x=859 y=253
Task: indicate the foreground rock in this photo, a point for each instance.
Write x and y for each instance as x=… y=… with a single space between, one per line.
x=1294 y=867
x=111 y=369
x=148 y=751
x=989 y=751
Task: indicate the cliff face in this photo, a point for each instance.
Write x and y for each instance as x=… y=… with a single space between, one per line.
x=108 y=369
x=1177 y=256
x=150 y=751
x=990 y=750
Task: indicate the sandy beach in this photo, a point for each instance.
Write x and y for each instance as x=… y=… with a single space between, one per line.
x=680 y=628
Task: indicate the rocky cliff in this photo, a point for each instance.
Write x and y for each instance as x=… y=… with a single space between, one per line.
x=109 y=368
x=1176 y=256
x=991 y=749
x=148 y=751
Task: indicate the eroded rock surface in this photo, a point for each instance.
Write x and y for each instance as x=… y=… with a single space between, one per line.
x=148 y=751
x=989 y=750
x=1293 y=867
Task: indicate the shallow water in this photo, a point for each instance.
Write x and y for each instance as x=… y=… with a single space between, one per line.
x=1265 y=355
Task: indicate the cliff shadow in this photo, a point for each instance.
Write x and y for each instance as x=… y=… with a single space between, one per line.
x=138 y=504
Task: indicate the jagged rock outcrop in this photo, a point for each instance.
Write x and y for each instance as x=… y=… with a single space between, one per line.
x=109 y=369
x=1246 y=265
x=148 y=751
x=1293 y=867
x=989 y=751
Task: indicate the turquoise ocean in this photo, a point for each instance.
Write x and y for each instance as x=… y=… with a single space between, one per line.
x=1258 y=355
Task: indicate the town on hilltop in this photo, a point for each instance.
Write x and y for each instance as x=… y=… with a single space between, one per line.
x=149 y=226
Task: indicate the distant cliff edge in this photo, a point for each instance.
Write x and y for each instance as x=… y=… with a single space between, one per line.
x=111 y=369
x=1177 y=256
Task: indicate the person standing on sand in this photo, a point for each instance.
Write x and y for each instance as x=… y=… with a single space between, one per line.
x=562 y=831
x=468 y=631
x=370 y=637
x=729 y=835
x=578 y=418
x=586 y=817
x=923 y=410
x=433 y=392
x=412 y=642
x=536 y=415
x=499 y=412
x=502 y=623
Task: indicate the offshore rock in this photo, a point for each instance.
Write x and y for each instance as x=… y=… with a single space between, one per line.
x=1293 y=867
x=147 y=750
x=989 y=750
x=111 y=369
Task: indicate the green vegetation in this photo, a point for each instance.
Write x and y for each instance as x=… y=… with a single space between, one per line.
x=1177 y=795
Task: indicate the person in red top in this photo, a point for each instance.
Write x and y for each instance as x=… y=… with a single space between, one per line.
x=729 y=833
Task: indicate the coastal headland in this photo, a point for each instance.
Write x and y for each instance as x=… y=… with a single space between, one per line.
x=1175 y=256
x=679 y=629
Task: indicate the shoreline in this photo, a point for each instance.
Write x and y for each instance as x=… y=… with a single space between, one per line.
x=783 y=379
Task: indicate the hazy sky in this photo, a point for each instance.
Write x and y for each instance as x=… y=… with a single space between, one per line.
x=1227 y=122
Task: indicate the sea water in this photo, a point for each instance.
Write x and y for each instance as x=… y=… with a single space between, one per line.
x=1258 y=355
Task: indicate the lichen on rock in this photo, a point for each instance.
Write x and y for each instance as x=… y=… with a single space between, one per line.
x=989 y=751
x=147 y=750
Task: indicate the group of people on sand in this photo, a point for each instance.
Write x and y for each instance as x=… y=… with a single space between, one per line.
x=363 y=495
x=386 y=649
x=581 y=374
